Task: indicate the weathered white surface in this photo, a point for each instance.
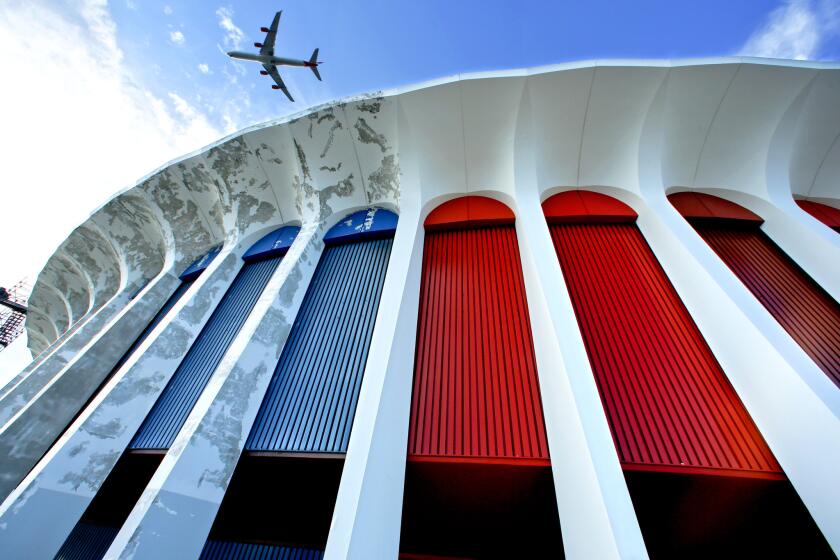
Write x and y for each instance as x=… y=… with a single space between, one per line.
x=755 y=132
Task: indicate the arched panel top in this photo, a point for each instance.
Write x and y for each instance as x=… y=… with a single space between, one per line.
x=469 y=211
x=826 y=214
x=197 y=267
x=370 y=223
x=586 y=207
x=705 y=207
x=274 y=244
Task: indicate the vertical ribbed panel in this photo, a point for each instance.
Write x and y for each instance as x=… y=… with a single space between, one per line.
x=87 y=541
x=475 y=380
x=809 y=315
x=229 y=550
x=177 y=399
x=311 y=400
x=667 y=400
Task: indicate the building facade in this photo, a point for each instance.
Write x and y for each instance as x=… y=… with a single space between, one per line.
x=585 y=311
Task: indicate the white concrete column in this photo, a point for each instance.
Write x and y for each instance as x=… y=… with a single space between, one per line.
x=33 y=428
x=596 y=514
x=57 y=492
x=38 y=360
x=778 y=384
x=174 y=515
x=30 y=381
x=368 y=509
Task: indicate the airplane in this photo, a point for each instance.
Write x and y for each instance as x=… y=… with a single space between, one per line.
x=271 y=62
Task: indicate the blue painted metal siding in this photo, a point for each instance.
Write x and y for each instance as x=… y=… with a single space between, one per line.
x=87 y=541
x=311 y=400
x=178 y=398
x=197 y=267
x=228 y=550
x=274 y=244
x=364 y=224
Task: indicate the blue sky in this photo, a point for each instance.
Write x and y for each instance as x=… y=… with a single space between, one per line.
x=96 y=93
x=380 y=44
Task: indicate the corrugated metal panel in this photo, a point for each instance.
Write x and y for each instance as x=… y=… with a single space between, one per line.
x=87 y=541
x=311 y=400
x=809 y=315
x=667 y=400
x=177 y=399
x=824 y=213
x=475 y=380
x=228 y=550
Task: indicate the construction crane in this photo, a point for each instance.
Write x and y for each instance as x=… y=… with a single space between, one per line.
x=12 y=312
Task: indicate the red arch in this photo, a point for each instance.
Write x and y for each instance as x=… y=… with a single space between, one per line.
x=586 y=207
x=469 y=211
x=824 y=213
x=706 y=207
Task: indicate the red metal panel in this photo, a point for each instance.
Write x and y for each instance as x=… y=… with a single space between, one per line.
x=578 y=207
x=669 y=404
x=475 y=380
x=473 y=211
x=707 y=207
x=824 y=213
x=809 y=315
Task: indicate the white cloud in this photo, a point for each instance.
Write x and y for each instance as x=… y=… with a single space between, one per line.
x=177 y=37
x=77 y=125
x=203 y=68
x=233 y=35
x=794 y=30
x=167 y=10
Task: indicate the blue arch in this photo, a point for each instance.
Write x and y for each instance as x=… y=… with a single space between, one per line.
x=364 y=224
x=198 y=266
x=273 y=244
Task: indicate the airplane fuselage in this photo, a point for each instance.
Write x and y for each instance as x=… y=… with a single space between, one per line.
x=268 y=59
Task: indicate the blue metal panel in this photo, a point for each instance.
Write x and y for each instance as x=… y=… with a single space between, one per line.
x=87 y=541
x=275 y=244
x=192 y=272
x=177 y=399
x=229 y=550
x=367 y=224
x=311 y=400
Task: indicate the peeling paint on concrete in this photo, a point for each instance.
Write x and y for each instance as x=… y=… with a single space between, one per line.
x=383 y=184
x=369 y=136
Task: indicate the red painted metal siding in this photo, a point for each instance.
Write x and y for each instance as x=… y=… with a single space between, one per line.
x=824 y=213
x=469 y=211
x=703 y=206
x=668 y=403
x=475 y=380
x=585 y=207
x=809 y=315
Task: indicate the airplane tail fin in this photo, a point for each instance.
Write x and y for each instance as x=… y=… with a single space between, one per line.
x=313 y=64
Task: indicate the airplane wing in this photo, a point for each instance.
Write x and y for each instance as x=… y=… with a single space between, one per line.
x=268 y=42
x=272 y=71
